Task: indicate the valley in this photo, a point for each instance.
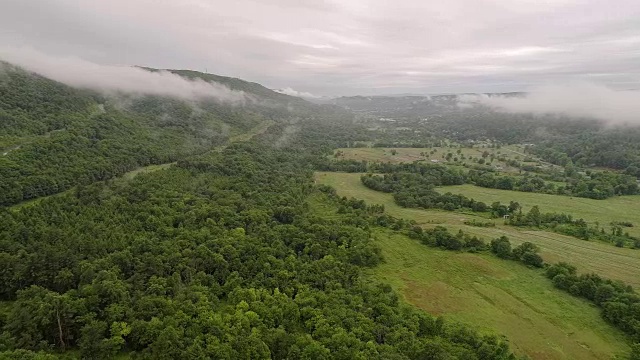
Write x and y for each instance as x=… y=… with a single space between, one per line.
x=235 y=223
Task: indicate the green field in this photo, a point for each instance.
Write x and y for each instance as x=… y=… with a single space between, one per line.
x=500 y=296
x=424 y=154
x=494 y=296
x=620 y=208
x=590 y=256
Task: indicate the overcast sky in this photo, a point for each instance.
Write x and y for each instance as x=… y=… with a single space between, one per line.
x=347 y=47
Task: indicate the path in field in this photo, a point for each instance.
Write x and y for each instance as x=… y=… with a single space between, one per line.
x=589 y=256
x=255 y=131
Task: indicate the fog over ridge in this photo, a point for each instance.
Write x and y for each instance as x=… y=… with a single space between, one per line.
x=80 y=73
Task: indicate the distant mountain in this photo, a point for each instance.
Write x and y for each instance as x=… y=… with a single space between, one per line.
x=405 y=105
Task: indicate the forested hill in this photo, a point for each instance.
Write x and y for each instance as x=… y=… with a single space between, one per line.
x=53 y=136
x=219 y=257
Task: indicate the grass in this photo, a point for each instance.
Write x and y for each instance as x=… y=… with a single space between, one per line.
x=145 y=169
x=257 y=130
x=424 y=154
x=589 y=256
x=493 y=296
x=620 y=208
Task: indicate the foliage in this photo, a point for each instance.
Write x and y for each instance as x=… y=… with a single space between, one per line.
x=53 y=137
x=619 y=302
x=216 y=257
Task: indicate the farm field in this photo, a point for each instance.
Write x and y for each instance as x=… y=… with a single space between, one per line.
x=424 y=154
x=493 y=296
x=500 y=296
x=590 y=256
x=620 y=208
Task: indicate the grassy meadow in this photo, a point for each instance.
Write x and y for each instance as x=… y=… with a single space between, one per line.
x=589 y=256
x=403 y=155
x=500 y=296
x=620 y=208
x=493 y=296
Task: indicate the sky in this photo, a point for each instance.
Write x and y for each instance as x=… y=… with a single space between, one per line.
x=346 y=47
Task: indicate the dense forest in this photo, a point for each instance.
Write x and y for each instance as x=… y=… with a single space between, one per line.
x=53 y=137
x=217 y=257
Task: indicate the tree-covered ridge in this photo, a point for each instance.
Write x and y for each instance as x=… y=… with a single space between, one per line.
x=33 y=105
x=218 y=257
x=53 y=137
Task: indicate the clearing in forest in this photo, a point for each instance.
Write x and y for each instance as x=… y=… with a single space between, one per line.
x=500 y=296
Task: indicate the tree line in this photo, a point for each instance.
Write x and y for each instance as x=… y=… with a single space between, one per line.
x=618 y=302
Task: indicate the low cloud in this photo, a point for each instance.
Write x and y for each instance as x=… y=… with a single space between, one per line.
x=80 y=73
x=292 y=92
x=582 y=100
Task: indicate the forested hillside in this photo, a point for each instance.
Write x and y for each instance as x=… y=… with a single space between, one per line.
x=217 y=257
x=53 y=137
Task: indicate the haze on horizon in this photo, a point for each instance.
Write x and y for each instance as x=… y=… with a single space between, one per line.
x=333 y=47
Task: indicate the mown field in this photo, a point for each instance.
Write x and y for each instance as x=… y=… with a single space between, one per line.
x=620 y=208
x=494 y=296
x=589 y=256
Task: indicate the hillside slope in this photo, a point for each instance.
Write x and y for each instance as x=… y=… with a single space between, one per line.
x=53 y=136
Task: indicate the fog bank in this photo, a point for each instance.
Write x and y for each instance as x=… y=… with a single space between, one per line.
x=81 y=73
x=575 y=100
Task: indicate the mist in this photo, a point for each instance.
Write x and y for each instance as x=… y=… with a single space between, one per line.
x=291 y=92
x=581 y=100
x=80 y=73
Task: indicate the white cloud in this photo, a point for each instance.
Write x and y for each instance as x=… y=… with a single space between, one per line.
x=292 y=92
x=350 y=47
x=80 y=73
x=584 y=100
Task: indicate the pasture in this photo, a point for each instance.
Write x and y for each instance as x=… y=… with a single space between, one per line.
x=589 y=256
x=493 y=296
x=620 y=208
x=452 y=155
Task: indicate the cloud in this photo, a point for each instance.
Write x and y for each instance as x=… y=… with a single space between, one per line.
x=292 y=92
x=80 y=73
x=337 y=47
x=581 y=100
